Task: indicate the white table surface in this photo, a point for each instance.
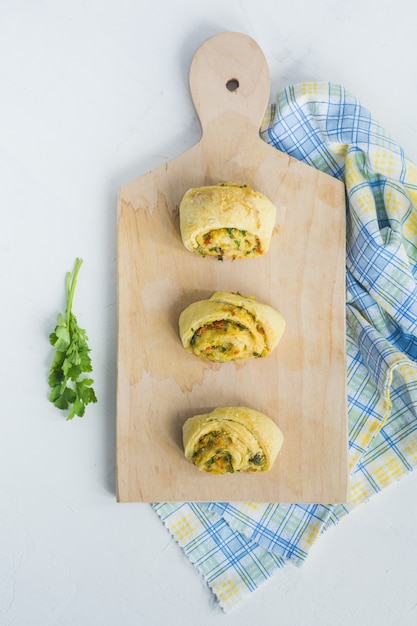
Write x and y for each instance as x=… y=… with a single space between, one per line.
x=93 y=94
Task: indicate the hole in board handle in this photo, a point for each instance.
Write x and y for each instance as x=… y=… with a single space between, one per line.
x=232 y=84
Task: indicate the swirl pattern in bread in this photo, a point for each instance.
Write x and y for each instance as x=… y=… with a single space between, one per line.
x=226 y=220
x=232 y=439
x=230 y=327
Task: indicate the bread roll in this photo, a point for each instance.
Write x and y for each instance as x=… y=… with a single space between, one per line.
x=230 y=327
x=232 y=439
x=226 y=220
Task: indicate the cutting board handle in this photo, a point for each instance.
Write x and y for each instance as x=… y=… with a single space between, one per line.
x=229 y=79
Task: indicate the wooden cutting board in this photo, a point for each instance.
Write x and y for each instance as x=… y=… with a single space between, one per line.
x=302 y=384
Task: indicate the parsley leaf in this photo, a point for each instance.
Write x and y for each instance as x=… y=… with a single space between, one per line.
x=69 y=389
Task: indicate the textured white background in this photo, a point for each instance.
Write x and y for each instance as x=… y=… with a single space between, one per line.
x=93 y=94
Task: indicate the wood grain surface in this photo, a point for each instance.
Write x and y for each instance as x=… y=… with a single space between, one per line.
x=302 y=384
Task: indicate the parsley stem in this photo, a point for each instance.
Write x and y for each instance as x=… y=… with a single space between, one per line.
x=70 y=283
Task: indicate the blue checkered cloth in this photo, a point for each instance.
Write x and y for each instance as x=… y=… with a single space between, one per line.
x=237 y=546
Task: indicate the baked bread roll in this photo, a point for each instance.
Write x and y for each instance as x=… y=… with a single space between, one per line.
x=230 y=327
x=226 y=220
x=232 y=439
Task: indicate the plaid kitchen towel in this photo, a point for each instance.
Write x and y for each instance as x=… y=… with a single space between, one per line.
x=237 y=546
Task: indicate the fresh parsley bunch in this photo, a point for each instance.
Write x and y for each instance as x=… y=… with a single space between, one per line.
x=70 y=390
